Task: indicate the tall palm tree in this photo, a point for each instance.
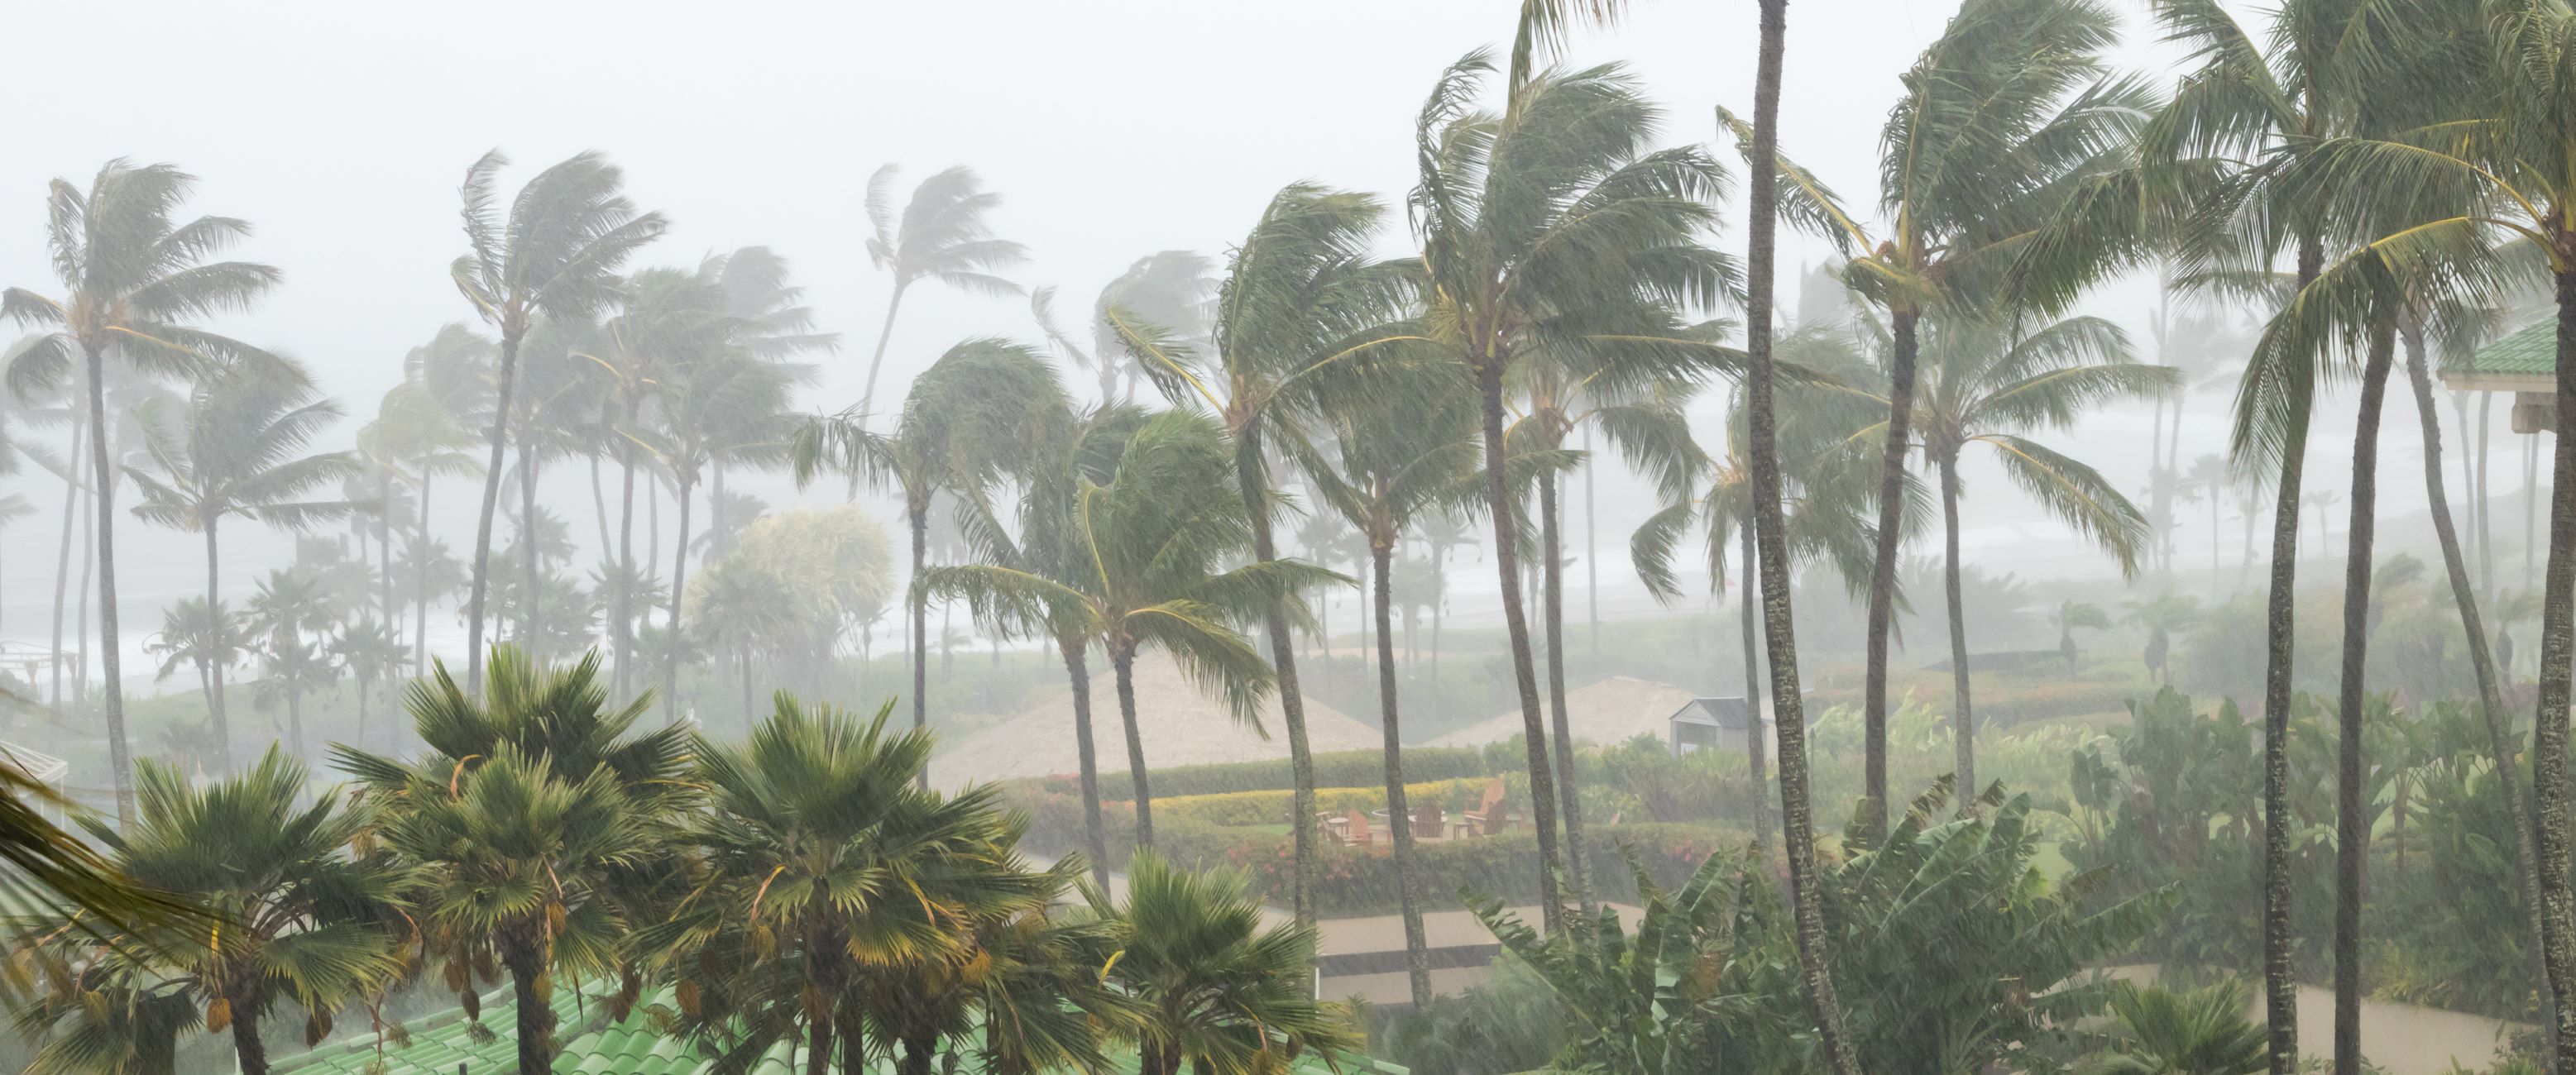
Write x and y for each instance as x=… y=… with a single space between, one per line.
x=976 y=414
x=234 y=450
x=1303 y=308
x=2004 y=121
x=1771 y=541
x=1046 y=543
x=1986 y=387
x=1218 y=991
x=771 y=321
x=424 y=423
x=1170 y=289
x=302 y=918
x=1396 y=456
x=723 y=405
x=133 y=276
x=1150 y=546
x=203 y=636
x=1552 y=224
x=941 y=236
x=554 y=253
x=1827 y=518
x=373 y=653
x=290 y=613
x=529 y=818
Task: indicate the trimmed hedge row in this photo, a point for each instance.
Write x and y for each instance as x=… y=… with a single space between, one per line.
x=1239 y=808
x=1340 y=769
x=1362 y=882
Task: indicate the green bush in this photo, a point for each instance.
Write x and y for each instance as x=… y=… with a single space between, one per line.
x=1242 y=808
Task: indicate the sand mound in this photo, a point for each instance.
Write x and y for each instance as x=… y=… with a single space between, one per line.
x=1613 y=710
x=1181 y=725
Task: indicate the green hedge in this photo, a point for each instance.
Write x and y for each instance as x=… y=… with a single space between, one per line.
x=1343 y=769
x=1241 y=808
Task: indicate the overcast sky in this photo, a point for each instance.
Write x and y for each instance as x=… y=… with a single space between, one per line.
x=1111 y=128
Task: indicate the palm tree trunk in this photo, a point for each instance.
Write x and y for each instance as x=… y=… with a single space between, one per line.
x=215 y=685
x=2352 y=828
x=1882 y=578
x=868 y=395
x=1552 y=575
x=2501 y=739
x=1399 y=816
x=2530 y=506
x=917 y=515
x=295 y=709
x=120 y=761
x=1122 y=665
x=2280 y=981
x=1591 y=552
x=1757 y=744
x=1798 y=832
x=1249 y=482
x=2549 y=775
x=1963 y=716
x=87 y=595
x=2486 y=514
x=1507 y=566
x=249 y=1052
x=671 y=627
x=1077 y=672
x=526 y=963
x=621 y=633
x=1439 y=602
x=599 y=505
x=385 y=554
x=818 y=1046
x=63 y=556
x=507 y=379
x=530 y=614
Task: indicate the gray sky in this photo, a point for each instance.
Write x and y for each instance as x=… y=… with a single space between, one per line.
x=1111 y=128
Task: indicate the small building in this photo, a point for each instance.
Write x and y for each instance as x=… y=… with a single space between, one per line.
x=2525 y=363
x=1714 y=723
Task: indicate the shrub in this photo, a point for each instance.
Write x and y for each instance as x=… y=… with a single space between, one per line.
x=1339 y=769
x=1242 y=808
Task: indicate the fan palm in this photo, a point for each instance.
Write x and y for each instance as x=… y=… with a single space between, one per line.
x=1985 y=387
x=941 y=236
x=1146 y=551
x=531 y=820
x=302 y=918
x=973 y=416
x=554 y=253
x=234 y=450
x=1396 y=457
x=1219 y=993
x=1303 y=309
x=133 y=276
x=1553 y=226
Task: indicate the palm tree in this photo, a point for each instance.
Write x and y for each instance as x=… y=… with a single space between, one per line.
x=2005 y=120
x=1988 y=388
x=2163 y=616
x=1771 y=542
x=941 y=236
x=1150 y=545
x=1303 y=308
x=2072 y=616
x=973 y=416
x=554 y=254
x=722 y=406
x=132 y=277
x=1169 y=289
x=1218 y=992
x=817 y=838
x=303 y=919
x=1553 y=225
x=373 y=653
x=529 y=818
x=1396 y=456
x=1046 y=543
x=421 y=427
x=208 y=640
x=233 y=450
x=771 y=321
x=289 y=606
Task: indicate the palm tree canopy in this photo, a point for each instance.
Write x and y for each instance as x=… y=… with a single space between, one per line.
x=941 y=233
x=555 y=250
x=232 y=450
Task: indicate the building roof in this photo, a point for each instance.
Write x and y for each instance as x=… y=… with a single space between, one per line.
x=447 y=1042
x=2532 y=349
x=1729 y=712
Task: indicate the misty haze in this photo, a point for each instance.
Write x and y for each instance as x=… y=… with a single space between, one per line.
x=1455 y=537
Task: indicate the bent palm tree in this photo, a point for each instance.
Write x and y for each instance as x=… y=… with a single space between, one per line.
x=941 y=236
x=132 y=277
x=973 y=416
x=1149 y=547
x=232 y=450
x=553 y=254
x=1303 y=309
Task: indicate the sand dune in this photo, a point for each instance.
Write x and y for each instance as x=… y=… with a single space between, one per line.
x=1612 y=710
x=1181 y=725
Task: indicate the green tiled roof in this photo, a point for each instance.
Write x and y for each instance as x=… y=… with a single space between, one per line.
x=2533 y=349
x=633 y=1046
